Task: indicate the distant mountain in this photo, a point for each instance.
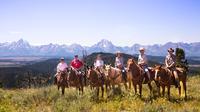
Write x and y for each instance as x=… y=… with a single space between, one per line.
x=23 y=48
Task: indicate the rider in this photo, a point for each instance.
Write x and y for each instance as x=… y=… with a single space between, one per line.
x=76 y=64
x=98 y=64
x=170 y=62
x=143 y=62
x=61 y=67
x=119 y=63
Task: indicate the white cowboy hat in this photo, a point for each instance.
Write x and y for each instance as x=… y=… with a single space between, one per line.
x=142 y=49
x=118 y=52
x=62 y=58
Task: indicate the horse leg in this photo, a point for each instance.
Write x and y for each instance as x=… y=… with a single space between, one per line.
x=102 y=90
x=150 y=88
x=158 y=88
x=179 y=91
x=63 y=90
x=125 y=85
x=82 y=87
x=168 y=87
x=97 y=91
x=135 y=88
x=163 y=90
x=106 y=87
x=129 y=85
x=58 y=87
x=140 y=90
x=185 y=89
x=79 y=90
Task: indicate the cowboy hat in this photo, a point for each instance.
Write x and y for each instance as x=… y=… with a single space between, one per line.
x=170 y=50
x=118 y=52
x=142 y=49
x=62 y=58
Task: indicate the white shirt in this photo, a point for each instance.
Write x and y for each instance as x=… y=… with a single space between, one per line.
x=98 y=63
x=119 y=61
x=142 y=59
x=61 y=67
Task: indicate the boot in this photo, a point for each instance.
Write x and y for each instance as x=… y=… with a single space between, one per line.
x=149 y=78
x=124 y=76
x=177 y=83
x=55 y=80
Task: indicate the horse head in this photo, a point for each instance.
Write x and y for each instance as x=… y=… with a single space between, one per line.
x=107 y=69
x=89 y=71
x=130 y=64
x=157 y=69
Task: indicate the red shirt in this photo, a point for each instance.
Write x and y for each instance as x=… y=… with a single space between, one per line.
x=76 y=63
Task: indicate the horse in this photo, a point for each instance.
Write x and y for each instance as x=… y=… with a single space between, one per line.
x=138 y=76
x=114 y=76
x=165 y=78
x=96 y=79
x=62 y=81
x=75 y=79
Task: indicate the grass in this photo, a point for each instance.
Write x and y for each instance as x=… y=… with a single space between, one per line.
x=48 y=99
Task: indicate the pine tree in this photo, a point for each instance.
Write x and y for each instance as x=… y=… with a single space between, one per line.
x=180 y=59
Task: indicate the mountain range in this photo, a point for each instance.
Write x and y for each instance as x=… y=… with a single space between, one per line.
x=23 y=48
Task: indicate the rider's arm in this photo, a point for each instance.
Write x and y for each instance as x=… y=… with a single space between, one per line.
x=58 y=67
x=116 y=61
x=141 y=60
x=173 y=64
x=166 y=62
x=94 y=63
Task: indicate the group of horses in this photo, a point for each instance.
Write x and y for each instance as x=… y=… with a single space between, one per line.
x=110 y=76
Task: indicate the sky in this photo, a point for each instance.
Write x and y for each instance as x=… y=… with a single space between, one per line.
x=123 y=22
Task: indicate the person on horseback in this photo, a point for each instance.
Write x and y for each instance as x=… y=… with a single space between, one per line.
x=170 y=62
x=76 y=64
x=61 y=67
x=143 y=62
x=119 y=63
x=98 y=64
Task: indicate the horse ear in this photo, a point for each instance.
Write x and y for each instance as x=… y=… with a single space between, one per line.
x=160 y=66
x=91 y=67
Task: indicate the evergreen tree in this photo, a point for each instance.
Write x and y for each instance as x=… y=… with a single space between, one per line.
x=180 y=59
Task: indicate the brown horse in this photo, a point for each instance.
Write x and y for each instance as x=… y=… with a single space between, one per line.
x=114 y=76
x=62 y=81
x=165 y=78
x=76 y=80
x=96 y=80
x=138 y=76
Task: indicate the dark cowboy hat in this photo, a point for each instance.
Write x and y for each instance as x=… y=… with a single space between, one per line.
x=76 y=55
x=170 y=50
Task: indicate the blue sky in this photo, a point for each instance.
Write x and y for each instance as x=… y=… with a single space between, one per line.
x=124 y=22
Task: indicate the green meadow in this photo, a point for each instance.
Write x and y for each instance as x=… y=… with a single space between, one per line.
x=49 y=99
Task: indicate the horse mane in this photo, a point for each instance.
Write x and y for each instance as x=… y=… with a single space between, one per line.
x=135 y=66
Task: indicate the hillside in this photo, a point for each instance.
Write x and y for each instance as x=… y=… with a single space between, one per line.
x=48 y=99
x=34 y=71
